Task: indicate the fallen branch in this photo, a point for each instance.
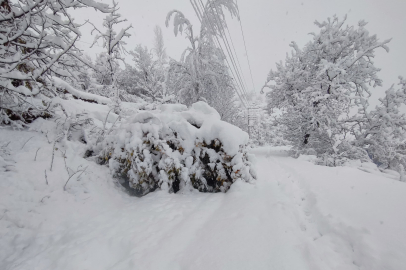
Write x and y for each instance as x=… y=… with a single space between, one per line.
x=61 y=84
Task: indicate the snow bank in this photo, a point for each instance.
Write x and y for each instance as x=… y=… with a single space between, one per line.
x=176 y=148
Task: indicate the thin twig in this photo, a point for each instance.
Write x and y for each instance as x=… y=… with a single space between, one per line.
x=108 y=131
x=81 y=173
x=26 y=142
x=64 y=159
x=35 y=159
x=105 y=120
x=46 y=134
x=64 y=187
x=47 y=196
x=46 y=177
x=53 y=154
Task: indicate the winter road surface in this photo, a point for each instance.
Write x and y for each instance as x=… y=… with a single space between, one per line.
x=277 y=223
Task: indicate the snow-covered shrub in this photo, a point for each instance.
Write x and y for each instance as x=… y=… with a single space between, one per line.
x=174 y=148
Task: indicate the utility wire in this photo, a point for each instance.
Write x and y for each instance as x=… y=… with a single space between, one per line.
x=241 y=96
x=224 y=36
x=245 y=46
x=200 y=17
x=237 y=76
x=238 y=61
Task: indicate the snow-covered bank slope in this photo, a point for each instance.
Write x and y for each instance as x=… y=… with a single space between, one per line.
x=295 y=216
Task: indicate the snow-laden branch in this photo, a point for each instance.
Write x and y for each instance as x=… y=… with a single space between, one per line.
x=59 y=83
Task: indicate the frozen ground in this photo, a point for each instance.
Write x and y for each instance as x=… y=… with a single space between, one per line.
x=296 y=216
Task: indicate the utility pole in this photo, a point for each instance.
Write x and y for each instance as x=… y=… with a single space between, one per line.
x=252 y=117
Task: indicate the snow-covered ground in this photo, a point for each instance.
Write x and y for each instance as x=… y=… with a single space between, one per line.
x=295 y=216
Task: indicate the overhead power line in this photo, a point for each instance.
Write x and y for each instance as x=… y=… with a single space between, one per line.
x=238 y=61
x=245 y=46
x=226 y=43
x=232 y=68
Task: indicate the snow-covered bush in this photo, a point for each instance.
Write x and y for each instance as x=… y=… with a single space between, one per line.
x=175 y=148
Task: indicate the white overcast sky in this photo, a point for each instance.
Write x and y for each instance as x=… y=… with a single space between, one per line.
x=269 y=26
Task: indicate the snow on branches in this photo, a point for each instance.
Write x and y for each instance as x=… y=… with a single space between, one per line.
x=178 y=149
x=318 y=87
x=37 y=39
x=114 y=45
x=384 y=129
x=201 y=72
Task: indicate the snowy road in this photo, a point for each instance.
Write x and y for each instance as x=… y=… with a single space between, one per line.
x=247 y=228
x=272 y=224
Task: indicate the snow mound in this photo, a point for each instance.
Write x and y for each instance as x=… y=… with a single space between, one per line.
x=175 y=148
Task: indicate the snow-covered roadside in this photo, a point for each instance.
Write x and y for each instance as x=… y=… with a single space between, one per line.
x=33 y=213
x=295 y=216
x=354 y=217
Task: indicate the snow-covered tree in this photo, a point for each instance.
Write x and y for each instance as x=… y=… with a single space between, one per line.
x=201 y=72
x=103 y=75
x=159 y=45
x=198 y=60
x=37 y=41
x=318 y=87
x=85 y=74
x=149 y=74
x=114 y=45
x=383 y=130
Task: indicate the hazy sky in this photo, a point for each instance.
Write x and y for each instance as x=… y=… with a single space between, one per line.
x=269 y=27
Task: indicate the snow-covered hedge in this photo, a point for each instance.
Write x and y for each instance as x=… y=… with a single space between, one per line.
x=175 y=148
